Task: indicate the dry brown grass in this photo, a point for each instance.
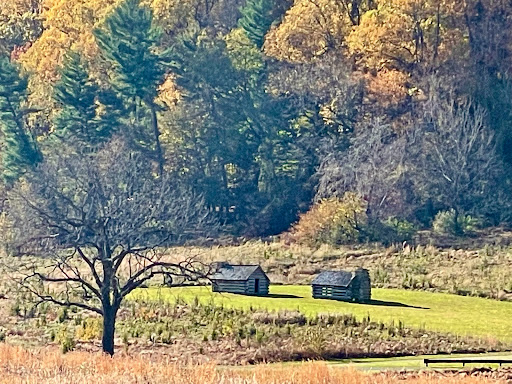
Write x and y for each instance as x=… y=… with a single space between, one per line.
x=18 y=365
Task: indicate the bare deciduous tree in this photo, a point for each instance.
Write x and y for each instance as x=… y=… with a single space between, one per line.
x=455 y=158
x=93 y=228
x=324 y=86
x=373 y=167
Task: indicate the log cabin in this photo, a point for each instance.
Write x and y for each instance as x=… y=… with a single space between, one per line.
x=243 y=279
x=343 y=285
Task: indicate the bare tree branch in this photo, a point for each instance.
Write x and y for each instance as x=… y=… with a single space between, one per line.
x=99 y=229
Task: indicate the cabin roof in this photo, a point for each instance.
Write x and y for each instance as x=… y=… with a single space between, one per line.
x=235 y=272
x=335 y=278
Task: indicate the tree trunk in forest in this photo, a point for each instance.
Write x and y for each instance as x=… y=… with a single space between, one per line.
x=457 y=228
x=267 y=177
x=156 y=133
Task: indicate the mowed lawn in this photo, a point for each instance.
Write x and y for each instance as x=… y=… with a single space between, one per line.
x=465 y=316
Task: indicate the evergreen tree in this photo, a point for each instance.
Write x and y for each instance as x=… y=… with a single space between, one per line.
x=77 y=94
x=213 y=112
x=243 y=147
x=20 y=150
x=129 y=41
x=257 y=17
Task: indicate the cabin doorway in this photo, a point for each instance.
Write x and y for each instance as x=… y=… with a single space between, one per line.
x=256 y=285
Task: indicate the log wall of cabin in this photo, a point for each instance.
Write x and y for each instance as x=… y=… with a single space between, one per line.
x=229 y=286
x=243 y=286
x=332 y=292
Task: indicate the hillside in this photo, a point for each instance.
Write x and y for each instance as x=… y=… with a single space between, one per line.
x=477 y=266
x=449 y=314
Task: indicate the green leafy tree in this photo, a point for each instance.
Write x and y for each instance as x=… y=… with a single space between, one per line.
x=209 y=119
x=242 y=154
x=129 y=42
x=78 y=95
x=20 y=150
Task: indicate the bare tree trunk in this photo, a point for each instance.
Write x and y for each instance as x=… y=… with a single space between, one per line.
x=109 y=304
x=456 y=225
x=156 y=132
x=267 y=178
x=437 y=34
x=109 y=327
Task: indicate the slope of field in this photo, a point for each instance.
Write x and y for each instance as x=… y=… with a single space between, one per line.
x=464 y=316
x=479 y=266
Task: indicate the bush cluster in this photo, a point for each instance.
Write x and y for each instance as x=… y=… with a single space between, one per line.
x=448 y=223
x=332 y=221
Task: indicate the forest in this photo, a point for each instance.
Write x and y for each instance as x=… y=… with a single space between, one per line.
x=338 y=120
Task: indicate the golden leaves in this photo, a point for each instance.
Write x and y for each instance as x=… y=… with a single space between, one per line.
x=309 y=29
x=68 y=25
x=400 y=34
x=168 y=92
x=332 y=221
x=389 y=88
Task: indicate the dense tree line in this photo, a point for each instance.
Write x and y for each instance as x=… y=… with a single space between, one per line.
x=265 y=106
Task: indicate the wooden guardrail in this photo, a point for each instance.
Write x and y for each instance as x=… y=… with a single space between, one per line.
x=465 y=361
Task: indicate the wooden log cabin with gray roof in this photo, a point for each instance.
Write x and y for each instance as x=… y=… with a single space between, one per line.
x=343 y=285
x=243 y=279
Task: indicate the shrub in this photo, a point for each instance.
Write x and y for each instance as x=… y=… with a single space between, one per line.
x=67 y=343
x=332 y=221
x=16 y=308
x=279 y=318
x=444 y=223
x=403 y=229
x=166 y=337
x=63 y=315
x=89 y=329
x=126 y=339
x=3 y=335
x=392 y=230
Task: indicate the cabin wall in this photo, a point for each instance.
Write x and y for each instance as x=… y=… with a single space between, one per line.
x=332 y=292
x=247 y=287
x=362 y=286
x=250 y=286
x=229 y=286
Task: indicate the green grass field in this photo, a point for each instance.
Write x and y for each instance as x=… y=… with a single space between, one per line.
x=412 y=363
x=465 y=316
x=416 y=362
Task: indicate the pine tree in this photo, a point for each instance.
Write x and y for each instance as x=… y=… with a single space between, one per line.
x=257 y=17
x=20 y=150
x=78 y=96
x=129 y=41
